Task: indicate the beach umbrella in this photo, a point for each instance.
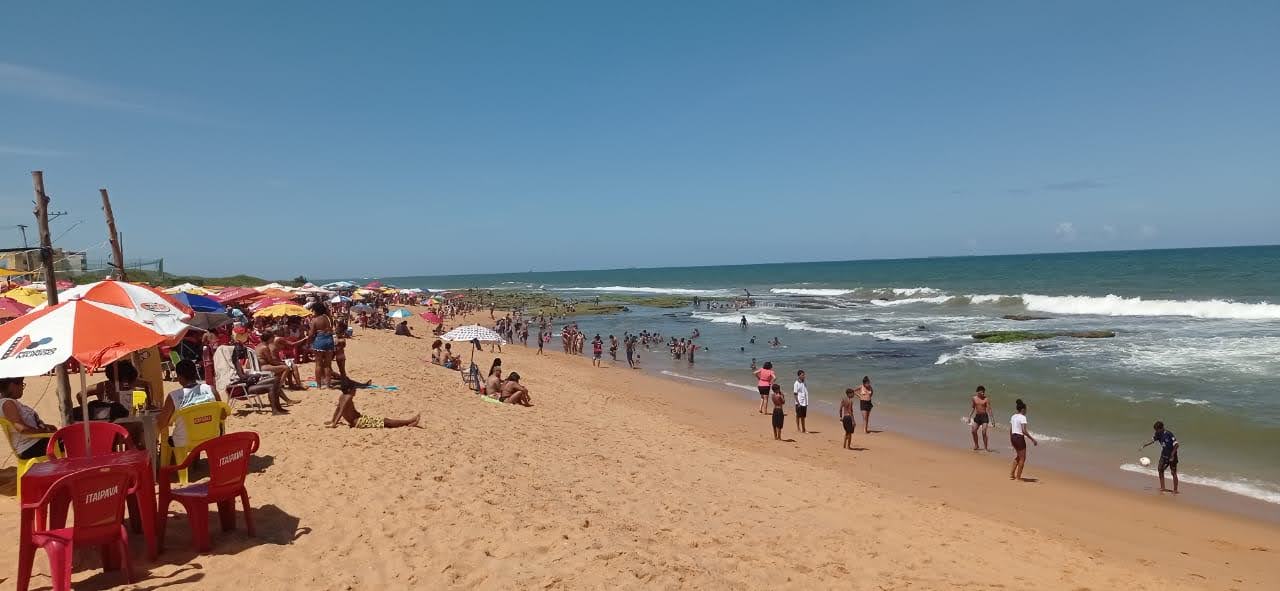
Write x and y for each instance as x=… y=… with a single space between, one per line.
x=277 y=293
x=362 y=308
x=94 y=336
x=9 y=273
x=400 y=313
x=236 y=294
x=373 y=285
x=199 y=303
x=26 y=295
x=11 y=308
x=339 y=299
x=268 y=302
x=431 y=317
x=476 y=334
x=209 y=321
x=140 y=303
x=279 y=310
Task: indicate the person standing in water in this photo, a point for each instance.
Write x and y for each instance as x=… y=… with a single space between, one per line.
x=764 y=383
x=744 y=321
x=801 y=392
x=1018 y=436
x=980 y=417
x=1168 y=454
x=864 y=402
x=779 y=416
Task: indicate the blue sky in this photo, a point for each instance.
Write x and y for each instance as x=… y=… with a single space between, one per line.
x=284 y=138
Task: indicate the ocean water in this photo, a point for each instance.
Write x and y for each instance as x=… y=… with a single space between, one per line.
x=1197 y=345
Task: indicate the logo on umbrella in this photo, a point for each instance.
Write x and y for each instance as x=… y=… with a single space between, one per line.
x=22 y=347
x=156 y=307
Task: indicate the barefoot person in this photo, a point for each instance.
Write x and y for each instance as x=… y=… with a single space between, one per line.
x=321 y=335
x=779 y=416
x=1018 y=436
x=846 y=417
x=346 y=411
x=864 y=403
x=801 y=391
x=513 y=392
x=1168 y=454
x=980 y=417
x=764 y=383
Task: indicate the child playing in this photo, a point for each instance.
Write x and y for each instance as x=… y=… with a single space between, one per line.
x=346 y=411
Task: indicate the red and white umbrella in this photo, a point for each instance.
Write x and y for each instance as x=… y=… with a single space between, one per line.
x=139 y=303
x=33 y=344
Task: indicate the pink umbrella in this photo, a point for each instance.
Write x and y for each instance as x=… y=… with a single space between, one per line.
x=431 y=317
x=11 y=308
x=236 y=294
x=267 y=302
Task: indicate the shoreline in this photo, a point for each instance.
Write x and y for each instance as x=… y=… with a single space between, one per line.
x=618 y=478
x=932 y=429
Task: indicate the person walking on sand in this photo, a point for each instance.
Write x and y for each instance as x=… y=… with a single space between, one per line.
x=801 y=391
x=980 y=417
x=1168 y=454
x=779 y=416
x=846 y=417
x=1018 y=436
x=597 y=349
x=864 y=403
x=764 y=383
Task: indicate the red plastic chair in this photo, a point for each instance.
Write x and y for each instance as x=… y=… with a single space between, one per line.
x=228 y=457
x=68 y=442
x=97 y=498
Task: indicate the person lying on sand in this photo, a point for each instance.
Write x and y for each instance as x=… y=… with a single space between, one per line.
x=512 y=392
x=346 y=411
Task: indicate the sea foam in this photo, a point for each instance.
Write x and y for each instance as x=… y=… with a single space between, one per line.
x=1263 y=491
x=1113 y=305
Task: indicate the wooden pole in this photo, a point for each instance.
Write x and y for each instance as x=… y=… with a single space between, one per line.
x=50 y=285
x=117 y=252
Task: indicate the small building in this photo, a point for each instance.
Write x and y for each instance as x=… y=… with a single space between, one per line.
x=27 y=259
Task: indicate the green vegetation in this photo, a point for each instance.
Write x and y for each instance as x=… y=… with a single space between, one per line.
x=542 y=303
x=1014 y=336
x=1023 y=317
x=653 y=301
x=153 y=278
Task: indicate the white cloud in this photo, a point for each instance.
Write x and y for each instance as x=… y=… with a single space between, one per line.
x=29 y=151
x=44 y=85
x=1066 y=231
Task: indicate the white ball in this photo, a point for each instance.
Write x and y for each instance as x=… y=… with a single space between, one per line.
x=1144 y=461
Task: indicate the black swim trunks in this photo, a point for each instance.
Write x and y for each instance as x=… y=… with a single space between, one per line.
x=1167 y=462
x=1019 y=442
x=865 y=405
x=847 y=421
x=779 y=419
x=802 y=410
x=981 y=418
x=764 y=390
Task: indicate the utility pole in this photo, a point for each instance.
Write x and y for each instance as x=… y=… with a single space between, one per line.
x=117 y=252
x=27 y=254
x=50 y=285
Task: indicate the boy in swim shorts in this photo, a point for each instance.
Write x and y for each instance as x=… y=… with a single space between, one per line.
x=779 y=416
x=846 y=417
x=346 y=411
x=980 y=417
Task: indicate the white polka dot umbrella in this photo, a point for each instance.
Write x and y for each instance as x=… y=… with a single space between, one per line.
x=473 y=332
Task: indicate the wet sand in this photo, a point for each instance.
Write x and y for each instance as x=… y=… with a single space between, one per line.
x=616 y=478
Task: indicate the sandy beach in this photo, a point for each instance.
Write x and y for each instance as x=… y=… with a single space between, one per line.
x=618 y=479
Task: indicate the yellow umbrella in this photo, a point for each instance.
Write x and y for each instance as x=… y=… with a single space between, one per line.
x=8 y=273
x=283 y=310
x=356 y=297
x=27 y=296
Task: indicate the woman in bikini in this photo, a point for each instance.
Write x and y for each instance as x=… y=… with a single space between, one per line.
x=322 y=342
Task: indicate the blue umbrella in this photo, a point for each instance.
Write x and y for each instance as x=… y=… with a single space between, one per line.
x=200 y=303
x=401 y=313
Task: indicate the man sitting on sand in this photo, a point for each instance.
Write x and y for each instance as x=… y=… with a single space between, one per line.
x=512 y=392
x=346 y=411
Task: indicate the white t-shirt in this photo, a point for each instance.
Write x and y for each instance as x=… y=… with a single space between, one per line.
x=182 y=398
x=21 y=441
x=1017 y=422
x=802 y=393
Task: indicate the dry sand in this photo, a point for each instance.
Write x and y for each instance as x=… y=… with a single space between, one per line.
x=616 y=479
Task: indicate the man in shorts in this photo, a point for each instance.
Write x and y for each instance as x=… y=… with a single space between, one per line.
x=346 y=411
x=980 y=417
x=1168 y=454
x=801 y=391
x=846 y=417
x=597 y=349
x=864 y=403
